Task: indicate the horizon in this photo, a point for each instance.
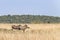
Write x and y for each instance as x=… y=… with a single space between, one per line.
x=27 y=14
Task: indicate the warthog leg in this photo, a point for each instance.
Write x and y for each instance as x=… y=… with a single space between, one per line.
x=24 y=30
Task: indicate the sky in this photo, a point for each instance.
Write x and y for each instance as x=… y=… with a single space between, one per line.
x=30 y=7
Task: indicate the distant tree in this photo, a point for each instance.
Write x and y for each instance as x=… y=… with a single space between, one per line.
x=28 y=19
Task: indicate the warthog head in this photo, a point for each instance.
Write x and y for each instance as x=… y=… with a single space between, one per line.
x=26 y=26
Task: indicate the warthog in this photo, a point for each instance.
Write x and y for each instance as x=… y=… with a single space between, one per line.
x=16 y=27
x=19 y=27
x=24 y=27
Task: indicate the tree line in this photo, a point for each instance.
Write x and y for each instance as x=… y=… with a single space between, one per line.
x=29 y=19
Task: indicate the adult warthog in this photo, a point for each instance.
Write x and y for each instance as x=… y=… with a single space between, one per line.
x=24 y=28
x=19 y=27
x=16 y=27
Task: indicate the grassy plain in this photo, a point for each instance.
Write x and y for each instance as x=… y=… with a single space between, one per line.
x=36 y=32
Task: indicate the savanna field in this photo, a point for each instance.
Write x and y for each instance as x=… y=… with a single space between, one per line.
x=36 y=32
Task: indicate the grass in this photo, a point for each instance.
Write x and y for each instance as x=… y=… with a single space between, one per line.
x=16 y=35
x=36 y=32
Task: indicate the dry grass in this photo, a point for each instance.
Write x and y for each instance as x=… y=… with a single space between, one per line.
x=36 y=32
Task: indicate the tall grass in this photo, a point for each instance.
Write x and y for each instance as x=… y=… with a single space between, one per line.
x=37 y=32
x=6 y=34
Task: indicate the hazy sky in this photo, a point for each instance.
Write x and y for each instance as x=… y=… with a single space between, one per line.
x=36 y=7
